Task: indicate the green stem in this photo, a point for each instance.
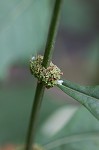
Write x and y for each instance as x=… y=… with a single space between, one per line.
x=40 y=87
x=34 y=114
x=52 y=34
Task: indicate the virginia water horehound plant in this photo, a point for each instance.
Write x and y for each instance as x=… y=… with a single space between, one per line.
x=49 y=75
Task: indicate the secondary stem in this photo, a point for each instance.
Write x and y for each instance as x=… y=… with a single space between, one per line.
x=40 y=87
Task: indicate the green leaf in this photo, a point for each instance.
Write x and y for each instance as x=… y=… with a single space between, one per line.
x=75 y=142
x=75 y=126
x=86 y=95
x=77 y=135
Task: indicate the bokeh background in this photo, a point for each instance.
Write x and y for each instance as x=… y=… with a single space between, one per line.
x=23 y=33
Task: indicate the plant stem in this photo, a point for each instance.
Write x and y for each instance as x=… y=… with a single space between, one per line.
x=34 y=114
x=52 y=34
x=40 y=87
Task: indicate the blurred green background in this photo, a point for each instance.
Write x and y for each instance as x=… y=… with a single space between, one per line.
x=23 y=33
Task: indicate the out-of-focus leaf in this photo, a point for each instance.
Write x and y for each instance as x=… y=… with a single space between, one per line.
x=76 y=142
x=81 y=132
x=76 y=126
x=23 y=30
x=86 y=95
x=54 y=123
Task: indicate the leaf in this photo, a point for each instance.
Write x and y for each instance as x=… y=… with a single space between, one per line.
x=56 y=121
x=75 y=126
x=75 y=142
x=77 y=135
x=23 y=30
x=86 y=95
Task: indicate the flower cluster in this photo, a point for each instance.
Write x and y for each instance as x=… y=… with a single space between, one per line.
x=49 y=76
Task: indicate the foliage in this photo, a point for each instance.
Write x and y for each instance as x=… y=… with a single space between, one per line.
x=86 y=95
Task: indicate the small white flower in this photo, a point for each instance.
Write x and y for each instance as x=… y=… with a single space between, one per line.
x=33 y=58
x=59 y=82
